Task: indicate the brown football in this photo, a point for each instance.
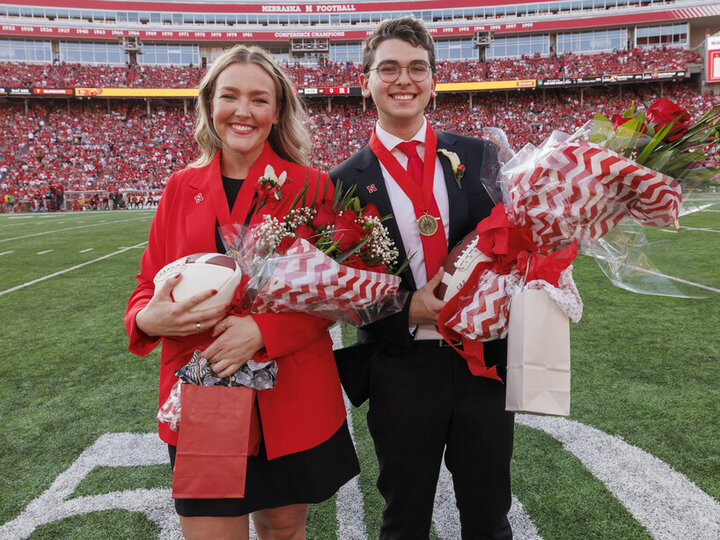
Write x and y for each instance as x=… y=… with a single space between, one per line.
x=459 y=265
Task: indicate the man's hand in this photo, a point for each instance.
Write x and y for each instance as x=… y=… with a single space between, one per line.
x=424 y=305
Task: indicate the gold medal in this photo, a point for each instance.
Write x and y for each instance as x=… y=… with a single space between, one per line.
x=427 y=225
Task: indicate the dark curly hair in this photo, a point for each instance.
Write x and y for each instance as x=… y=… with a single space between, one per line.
x=408 y=29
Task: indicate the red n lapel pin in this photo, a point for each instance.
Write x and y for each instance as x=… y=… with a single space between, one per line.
x=371 y=188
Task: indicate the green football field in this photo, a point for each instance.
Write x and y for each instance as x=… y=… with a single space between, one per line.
x=639 y=456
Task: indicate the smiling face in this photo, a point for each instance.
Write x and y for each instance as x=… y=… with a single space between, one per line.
x=400 y=104
x=244 y=108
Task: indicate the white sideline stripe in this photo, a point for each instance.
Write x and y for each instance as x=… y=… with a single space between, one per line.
x=349 y=502
x=6 y=252
x=46 y=251
x=73 y=228
x=673 y=231
x=673 y=278
x=34 y=281
x=85 y=250
x=698 y=229
x=661 y=499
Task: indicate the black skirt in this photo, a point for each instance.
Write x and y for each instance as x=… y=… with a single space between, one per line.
x=306 y=477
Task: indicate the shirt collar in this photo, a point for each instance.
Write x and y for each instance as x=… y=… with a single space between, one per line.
x=390 y=141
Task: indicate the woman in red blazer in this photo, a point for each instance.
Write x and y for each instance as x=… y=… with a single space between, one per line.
x=248 y=117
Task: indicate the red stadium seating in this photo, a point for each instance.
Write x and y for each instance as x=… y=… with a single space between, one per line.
x=61 y=75
x=84 y=147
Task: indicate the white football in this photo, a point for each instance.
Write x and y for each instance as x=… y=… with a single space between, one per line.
x=459 y=265
x=202 y=272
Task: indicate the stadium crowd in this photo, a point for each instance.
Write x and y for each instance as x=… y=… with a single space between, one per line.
x=92 y=148
x=62 y=75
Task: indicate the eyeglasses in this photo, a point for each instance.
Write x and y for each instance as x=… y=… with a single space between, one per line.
x=390 y=72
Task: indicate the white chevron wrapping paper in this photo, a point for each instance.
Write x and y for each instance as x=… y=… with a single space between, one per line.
x=307 y=280
x=576 y=191
x=581 y=190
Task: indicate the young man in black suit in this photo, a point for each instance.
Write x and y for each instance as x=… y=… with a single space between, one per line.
x=424 y=400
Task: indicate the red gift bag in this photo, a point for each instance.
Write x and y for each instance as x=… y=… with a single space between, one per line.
x=219 y=430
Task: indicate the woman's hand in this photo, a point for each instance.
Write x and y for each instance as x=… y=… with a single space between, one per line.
x=163 y=317
x=238 y=340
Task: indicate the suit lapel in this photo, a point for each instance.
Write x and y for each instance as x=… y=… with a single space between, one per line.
x=457 y=199
x=199 y=213
x=371 y=189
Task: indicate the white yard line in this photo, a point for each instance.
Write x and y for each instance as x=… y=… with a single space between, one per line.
x=349 y=503
x=673 y=278
x=6 y=252
x=73 y=228
x=54 y=274
x=46 y=251
x=85 y=250
x=661 y=499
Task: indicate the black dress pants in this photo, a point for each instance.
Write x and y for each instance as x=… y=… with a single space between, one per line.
x=424 y=401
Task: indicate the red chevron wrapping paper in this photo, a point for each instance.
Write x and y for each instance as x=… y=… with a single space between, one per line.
x=485 y=316
x=307 y=280
x=572 y=191
x=580 y=190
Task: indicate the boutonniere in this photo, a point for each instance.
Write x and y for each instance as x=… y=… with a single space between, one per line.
x=269 y=187
x=458 y=168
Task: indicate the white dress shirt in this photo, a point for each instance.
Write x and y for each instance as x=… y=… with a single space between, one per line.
x=404 y=212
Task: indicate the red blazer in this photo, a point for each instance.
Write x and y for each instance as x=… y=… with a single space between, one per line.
x=306 y=406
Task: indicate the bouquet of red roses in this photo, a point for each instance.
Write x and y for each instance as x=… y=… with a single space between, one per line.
x=331 y=258
x=571 y=192
x=579 y=187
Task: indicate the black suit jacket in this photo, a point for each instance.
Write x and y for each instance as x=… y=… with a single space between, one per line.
x=469 y=204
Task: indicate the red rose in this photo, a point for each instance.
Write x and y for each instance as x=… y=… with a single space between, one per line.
x=663 y=111
x=618 y=120
x=285 y=244
x=377 y=266
x=353 y=261
x=305 y=232
x=348 y=232
x=325 y=216
x=370 y=211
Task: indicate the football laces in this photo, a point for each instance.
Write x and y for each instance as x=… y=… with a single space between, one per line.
x=467 y=256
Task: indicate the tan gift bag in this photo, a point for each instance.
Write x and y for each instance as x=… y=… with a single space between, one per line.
x=538 y=356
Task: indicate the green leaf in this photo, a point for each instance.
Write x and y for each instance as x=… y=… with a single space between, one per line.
x=701 y=174
x=660 y=161
x=601 y=130
x=354 y=250
x=656 y=140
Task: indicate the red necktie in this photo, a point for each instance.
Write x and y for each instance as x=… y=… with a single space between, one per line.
x=434 y=246
x=415 y=164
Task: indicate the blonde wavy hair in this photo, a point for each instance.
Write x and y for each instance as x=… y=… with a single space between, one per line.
x=289 y=139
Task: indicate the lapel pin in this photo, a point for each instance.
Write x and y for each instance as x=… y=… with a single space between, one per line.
x=198 y=198
x=371 y=188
